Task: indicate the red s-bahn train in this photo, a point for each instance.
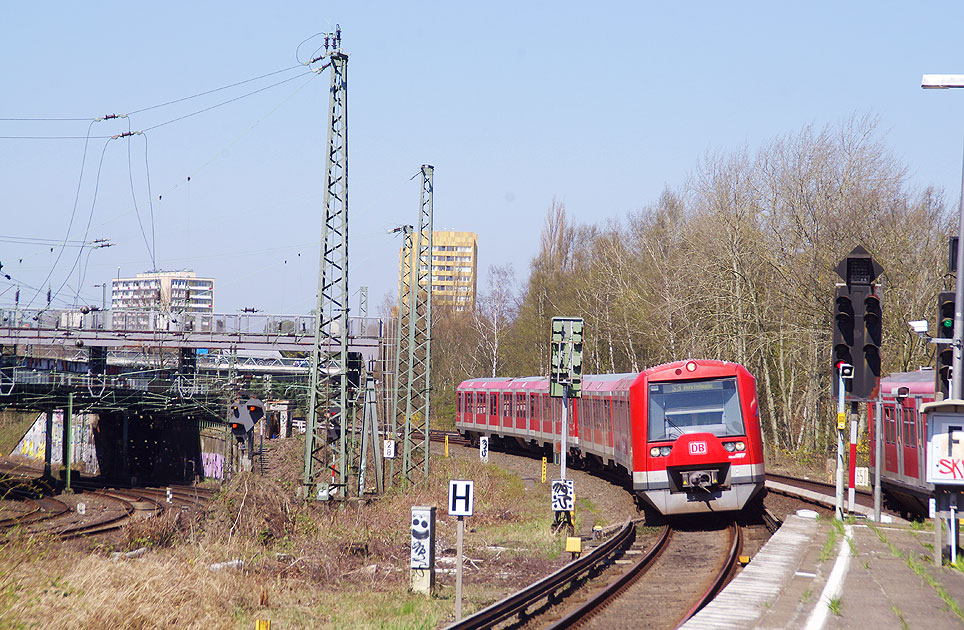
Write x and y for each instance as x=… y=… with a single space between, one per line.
x=686 y=433
x=904 y=432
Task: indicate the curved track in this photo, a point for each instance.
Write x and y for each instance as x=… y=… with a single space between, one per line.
x=666 y=588
x=104 y=509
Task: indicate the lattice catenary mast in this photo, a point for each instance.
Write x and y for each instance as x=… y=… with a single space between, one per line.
x=413 y=357
x=329 y=381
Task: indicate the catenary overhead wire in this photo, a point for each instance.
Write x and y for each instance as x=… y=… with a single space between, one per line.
x=93 y=204
x=176 y=119
x=140 y=224
x=225 y=87
x=73 y=212
x=150 y=203
x=222 y=103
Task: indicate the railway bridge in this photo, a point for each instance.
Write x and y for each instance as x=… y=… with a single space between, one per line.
x=139 y=390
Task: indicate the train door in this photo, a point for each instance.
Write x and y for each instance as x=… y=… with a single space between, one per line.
x=520 y=411
x=921 y=441
x=909 y=454
x=890 y=439
x=493 y=410
x=535 y=406
x=608 y=421
x=480 y=408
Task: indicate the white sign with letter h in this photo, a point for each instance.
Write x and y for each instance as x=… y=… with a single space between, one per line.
x=461 y=497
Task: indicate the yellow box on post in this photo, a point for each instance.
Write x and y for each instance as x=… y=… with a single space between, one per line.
x=841 y=420
x=262 y=624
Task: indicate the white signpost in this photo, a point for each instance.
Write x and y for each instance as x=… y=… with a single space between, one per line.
x=389 y=451
x=461 y=499
x=563 y=495
x=484 y=449
x=422 y=558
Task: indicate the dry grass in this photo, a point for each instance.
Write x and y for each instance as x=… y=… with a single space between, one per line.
x=305 y=565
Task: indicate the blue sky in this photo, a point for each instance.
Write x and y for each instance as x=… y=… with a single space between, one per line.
x=600 y=106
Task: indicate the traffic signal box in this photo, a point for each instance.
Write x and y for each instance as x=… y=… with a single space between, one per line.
x=857 y=335
x=565 y=357
x=243 y=415
x=945 y=351
x=857 y=318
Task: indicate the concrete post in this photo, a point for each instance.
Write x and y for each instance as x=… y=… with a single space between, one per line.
x=125 y=463
x=68 y=437
x=48 y=442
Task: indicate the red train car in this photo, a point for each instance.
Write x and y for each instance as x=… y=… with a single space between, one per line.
x=904 y=445
x=686 y=433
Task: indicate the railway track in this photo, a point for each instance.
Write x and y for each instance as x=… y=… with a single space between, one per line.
x=862 y=497
x=93 y=509
x=664 y=584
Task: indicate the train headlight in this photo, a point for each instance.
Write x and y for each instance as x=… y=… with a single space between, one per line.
x=691 y=366
x=740 y=446
x=729 y=446
x=654 y=452
x=664 y=450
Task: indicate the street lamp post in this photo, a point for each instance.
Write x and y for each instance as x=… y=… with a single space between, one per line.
x=945 y=81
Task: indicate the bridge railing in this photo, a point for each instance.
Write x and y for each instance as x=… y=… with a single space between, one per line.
x=123 y=320
x=96 y=384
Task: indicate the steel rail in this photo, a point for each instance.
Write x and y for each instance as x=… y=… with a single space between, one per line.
x=518 y=602
x=598 y=601
x=723 y=576
x=53 y=509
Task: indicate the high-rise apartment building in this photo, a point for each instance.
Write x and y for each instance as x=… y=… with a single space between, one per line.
x=454 y=269
x=164 y=291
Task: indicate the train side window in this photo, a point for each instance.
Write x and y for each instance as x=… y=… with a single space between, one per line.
x=909 y=433
x=458 y=402
x=506 y=405
x=920 y=429
x=494 y=404
x=888 y=425
x=608 y=411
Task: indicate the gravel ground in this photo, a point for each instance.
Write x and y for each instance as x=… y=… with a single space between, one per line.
x=598 y=502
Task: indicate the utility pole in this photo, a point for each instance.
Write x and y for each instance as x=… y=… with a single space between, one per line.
x=401 y=338
x=329 y=379
x=413 y=377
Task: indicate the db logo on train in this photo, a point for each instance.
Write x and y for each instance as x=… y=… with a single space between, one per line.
x=697 y=448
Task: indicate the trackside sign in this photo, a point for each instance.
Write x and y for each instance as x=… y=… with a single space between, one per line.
x=945 y=448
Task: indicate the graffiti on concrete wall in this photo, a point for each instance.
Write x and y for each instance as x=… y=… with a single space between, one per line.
x=83 y=451
x=213 y=465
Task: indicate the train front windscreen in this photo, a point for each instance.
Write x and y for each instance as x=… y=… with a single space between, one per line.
x=678 y=407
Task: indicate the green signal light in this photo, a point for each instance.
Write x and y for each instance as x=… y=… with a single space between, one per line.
x=947 y=322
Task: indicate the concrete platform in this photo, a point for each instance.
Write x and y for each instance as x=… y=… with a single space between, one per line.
x=815 y=573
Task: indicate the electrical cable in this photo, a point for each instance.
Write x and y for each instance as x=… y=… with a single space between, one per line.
x=73 y=212
x=161 y=124
x=140 y=224
x=90 y=217
x=45 y=242
x=237 y=98
x=187 y=98
x=150 y=202
x=43 y=119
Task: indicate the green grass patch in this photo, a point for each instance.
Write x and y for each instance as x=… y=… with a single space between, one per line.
x=920 y=569
x=834 y=605
x=828 y=546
